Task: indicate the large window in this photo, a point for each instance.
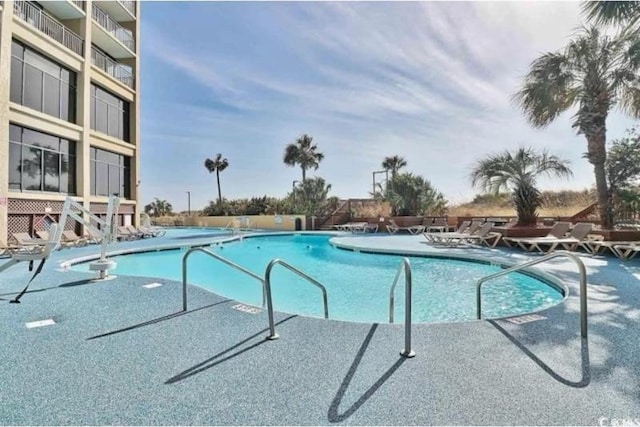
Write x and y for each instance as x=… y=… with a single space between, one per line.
x=41 y=162
x=109 y=173
x=41 y=84
x=109 y=114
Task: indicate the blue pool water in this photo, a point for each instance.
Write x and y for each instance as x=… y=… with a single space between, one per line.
x=357 y=284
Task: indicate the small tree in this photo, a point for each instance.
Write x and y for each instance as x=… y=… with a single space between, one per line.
x=518 y=172
x=411 y=194
x=159 y=208
x=623 y=171
x=310 y=196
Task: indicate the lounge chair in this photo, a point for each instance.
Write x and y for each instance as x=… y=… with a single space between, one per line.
x=466 y=228
x=626 y=252
x=577 y=237
x=153 y=231
x=393 y=228
x=558 y=231
x=70 y=238
x=92 y=237
x=26 y=244
x=480 y=236
x=136 y=232
x=596 y=247
x=125 y=234
x=439 y=224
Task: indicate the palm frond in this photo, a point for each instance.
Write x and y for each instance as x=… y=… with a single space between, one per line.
x=611 y=12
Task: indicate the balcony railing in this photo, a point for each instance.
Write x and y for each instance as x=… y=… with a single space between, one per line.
x=130 y=5
x=108 y=65
x=112 y=27
x=48 y=25
x=79 y=3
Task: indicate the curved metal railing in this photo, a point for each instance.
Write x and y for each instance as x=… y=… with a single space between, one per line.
x=265 y=295
x=583 y=284
x=406 y=266
x=267 y=281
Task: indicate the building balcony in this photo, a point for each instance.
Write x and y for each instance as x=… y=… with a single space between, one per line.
x=120 y=72
x=46 y=24
x=71 y=9
x=110 y=36
x=120 y=10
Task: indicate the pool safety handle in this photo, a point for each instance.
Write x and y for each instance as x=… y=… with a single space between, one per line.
x=267 y=280
x=583 y=283
x=406 y=266
x=222 y=260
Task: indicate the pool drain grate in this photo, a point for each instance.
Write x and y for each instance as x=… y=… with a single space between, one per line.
x=525 y=319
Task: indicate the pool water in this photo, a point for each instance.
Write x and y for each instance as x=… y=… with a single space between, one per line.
x=357 y=284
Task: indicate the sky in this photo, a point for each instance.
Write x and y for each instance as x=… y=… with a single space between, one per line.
x=431 y=82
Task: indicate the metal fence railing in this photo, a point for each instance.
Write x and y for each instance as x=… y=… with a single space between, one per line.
x=112 y=27
x=48 y=25
x=119 y=72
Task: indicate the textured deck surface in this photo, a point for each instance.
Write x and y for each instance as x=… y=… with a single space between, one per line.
x=120 y=353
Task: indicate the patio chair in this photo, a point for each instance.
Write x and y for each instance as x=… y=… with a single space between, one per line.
x=153 y=231
x=26 y=244
x=466 y=228
x=577 y=237
x=137 y=232
x=92 y=237
x=70 y=238
x=371 y=228
x=480 y=236
x=393 y=228
x=626 y=252
x=439 y=224
x=617 y=248
x=558 y=231
x=125 y=234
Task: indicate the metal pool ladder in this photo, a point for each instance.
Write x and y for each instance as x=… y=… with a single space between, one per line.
x=267 y=281
x=224 y=261
x=583 y=284
x=406 y=266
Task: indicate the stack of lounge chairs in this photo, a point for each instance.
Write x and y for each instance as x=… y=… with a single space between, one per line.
x=474 y=233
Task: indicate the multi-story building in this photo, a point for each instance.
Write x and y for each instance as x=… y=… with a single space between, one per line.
x=69 y=109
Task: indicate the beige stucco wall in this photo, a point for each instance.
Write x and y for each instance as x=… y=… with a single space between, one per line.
x=256 y=221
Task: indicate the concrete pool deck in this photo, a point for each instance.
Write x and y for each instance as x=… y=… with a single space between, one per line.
x=120 y=353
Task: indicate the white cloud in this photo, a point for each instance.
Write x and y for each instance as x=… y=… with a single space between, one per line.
x=429 y=81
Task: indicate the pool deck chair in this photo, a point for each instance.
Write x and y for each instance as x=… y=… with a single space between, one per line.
x=393 y=228
x=625 y=252
x=70 y=238
x=466 y=228
x=32 y=250
x=558 y=231
x=577 y=237
x=480 y=236
x=439 y=224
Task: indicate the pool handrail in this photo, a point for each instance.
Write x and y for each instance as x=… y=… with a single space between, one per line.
x=583 y=284
x=406 y=266
x=267 y=281
x=224 y=261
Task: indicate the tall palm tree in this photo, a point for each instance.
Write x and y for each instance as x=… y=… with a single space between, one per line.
x=595 y=73
x=393 y=164
x=217 y=165
x=303 y=152
x=518 y=172
x=613 y=12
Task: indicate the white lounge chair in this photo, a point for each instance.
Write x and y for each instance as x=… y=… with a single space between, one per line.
x=480 y=236
x=466 y=228
x=558 y=231
x=393 y=228
x=577 y=237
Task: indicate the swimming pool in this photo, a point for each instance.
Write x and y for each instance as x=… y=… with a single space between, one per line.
x=357 y=284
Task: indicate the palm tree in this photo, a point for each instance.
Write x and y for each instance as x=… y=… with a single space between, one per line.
x=518 y=172
x=217 y=166
x=393 y=164
x=613 y=12
x=595 y=72
x=303 y=153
